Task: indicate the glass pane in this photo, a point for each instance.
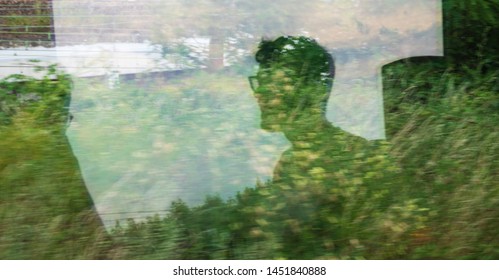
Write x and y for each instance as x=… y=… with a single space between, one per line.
x=246 y=129
x=212 y=134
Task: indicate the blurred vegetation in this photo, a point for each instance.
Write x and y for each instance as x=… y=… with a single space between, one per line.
x=442 y=122
x=470 y=32
x=431 y=192
x=45 y=210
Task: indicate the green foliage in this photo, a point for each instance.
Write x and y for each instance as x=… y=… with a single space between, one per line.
x=431 y=192
x=444 y=133
x=198 y=233
x=470 y=32
x=46 y=100
x=45 y=210
x=153 y=239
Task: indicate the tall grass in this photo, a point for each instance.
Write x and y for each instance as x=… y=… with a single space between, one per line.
x=443 y=202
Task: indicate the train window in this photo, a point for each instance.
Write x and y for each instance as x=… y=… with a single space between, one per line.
x=325 y=124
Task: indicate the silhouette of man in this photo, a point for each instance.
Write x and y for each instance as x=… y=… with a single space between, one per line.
x=292 y=87
x=326 y=168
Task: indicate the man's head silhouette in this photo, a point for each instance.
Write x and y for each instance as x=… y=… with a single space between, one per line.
x=293 y=81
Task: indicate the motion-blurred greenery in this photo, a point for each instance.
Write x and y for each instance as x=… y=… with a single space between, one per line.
x=442 y=202
x=439 y=201
x=45 y=210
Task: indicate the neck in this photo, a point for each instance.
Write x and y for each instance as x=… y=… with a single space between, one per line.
x=306 y=128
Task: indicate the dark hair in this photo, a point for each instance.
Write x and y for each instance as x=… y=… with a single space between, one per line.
x=303 y=55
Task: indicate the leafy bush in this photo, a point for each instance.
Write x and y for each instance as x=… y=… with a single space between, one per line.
x=470 y=29
x=45 y=209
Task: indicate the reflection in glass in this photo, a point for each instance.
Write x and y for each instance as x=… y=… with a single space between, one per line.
x=162 y=108
x=168 y=103
x=46 y=211
x=326 y=168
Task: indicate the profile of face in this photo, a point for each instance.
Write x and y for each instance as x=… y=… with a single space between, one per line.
x=293 y=81
x=274 y=87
